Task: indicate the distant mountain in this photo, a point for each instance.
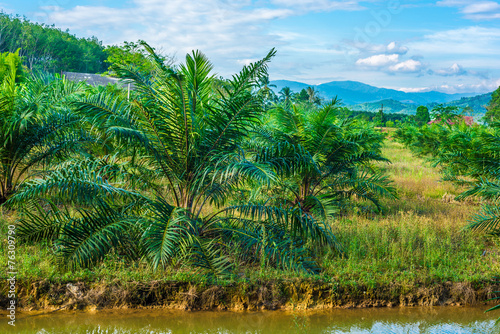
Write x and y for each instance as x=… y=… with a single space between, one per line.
x=360 y=96
x=353 y=92
x=476 y=103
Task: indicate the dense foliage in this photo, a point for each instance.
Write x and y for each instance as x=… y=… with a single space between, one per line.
x=468 y=155
x=493 y=109
x=375 y=117
x=46 y=48
x=322 y=157
x=187 y=170
x=35 y=123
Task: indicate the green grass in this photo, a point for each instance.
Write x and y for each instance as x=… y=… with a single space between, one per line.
x=410 y=249
x=419 y=239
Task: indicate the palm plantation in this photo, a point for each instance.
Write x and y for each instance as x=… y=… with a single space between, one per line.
x=195 y=172
x=177 y=177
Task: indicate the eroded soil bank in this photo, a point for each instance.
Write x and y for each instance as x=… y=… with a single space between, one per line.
x=272 y=295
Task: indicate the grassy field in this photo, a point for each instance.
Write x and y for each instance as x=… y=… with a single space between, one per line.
x=417 y=240
x=420 y=237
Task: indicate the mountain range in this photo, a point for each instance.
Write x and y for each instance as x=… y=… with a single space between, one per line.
x=360 y=96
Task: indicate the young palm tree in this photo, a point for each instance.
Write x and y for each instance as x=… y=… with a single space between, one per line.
x=35 y=125
x=182 y=141
x=321 y=158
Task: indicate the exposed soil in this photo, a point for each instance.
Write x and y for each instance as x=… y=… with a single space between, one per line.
x=273 y=295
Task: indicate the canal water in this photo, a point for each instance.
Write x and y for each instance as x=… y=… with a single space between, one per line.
x=439 y=320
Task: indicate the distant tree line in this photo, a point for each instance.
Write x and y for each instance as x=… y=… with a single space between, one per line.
x=379 y=117
x=47 y=48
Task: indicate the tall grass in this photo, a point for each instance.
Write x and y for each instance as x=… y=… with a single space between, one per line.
x=420 y=237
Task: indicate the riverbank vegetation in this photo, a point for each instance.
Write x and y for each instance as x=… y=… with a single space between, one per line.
x=190 y=178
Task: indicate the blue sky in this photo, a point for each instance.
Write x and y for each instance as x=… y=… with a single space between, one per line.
x=451 y=46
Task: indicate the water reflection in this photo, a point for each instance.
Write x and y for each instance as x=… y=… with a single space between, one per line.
x=398 y=321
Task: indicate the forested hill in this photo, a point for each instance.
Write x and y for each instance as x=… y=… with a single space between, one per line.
x=50 y=49
x=363 y=97
x=476 y=105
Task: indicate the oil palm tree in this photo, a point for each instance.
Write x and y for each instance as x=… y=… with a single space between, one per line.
x=322 y=159
x=467 y=155
x=179 y=159
x=35 y=125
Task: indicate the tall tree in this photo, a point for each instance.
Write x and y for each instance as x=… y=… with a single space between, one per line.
x=313 y=96
x=286 y=94
x=47 y=48
x=131 y=53
x=264 y=89
x=422 y=115
x=493 y=108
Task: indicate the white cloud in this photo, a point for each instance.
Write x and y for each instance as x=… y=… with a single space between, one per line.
x=227 y=31
x=368 y=48
x=481 y=7
x=394 y=47
x=390 y=64
x=378 y=60
x=453 y=70
x=246 y=62
x=456 y=88
x=414 y=89
x=479 y=10
x=408 y=66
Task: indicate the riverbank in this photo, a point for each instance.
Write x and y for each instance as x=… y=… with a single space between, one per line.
x=413 y=253
x=251 y=296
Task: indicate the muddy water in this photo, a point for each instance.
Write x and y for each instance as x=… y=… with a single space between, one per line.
x=452 y=320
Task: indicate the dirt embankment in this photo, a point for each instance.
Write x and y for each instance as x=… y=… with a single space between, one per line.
x=273 y=295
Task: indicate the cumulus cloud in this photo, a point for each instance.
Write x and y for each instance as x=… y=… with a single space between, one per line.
x=480 y=10
x=408 y=66
x=453 y=70
x=378 y=60
x=391 y=64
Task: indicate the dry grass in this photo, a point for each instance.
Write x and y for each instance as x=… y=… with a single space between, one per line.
x=420 y=236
